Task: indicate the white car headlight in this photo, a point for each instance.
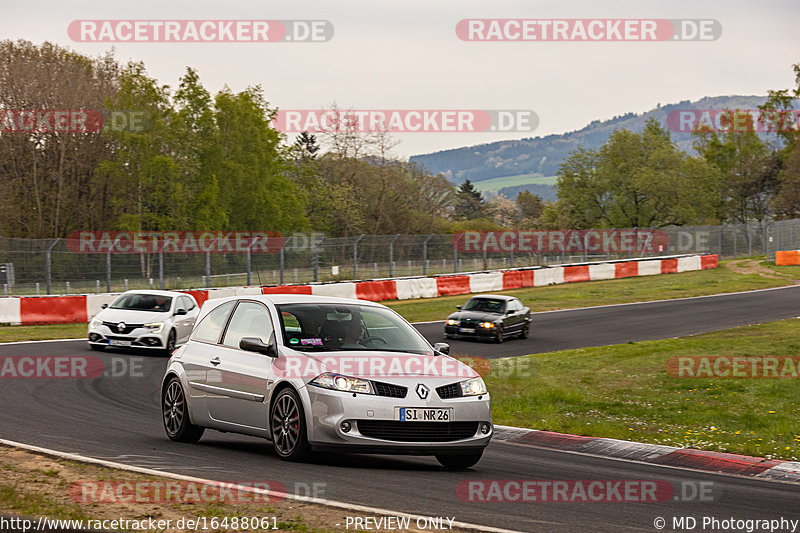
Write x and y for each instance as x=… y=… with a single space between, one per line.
x=329 y=380
x=473 y=387
x=452 y=322
x=95 y=323
x=155 y=327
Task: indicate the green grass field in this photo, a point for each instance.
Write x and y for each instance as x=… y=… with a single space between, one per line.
x=625 y=392
x=495 y=184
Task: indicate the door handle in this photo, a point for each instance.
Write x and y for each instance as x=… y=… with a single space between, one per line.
x=215 y=361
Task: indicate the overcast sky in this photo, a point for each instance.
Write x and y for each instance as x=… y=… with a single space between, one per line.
x=406 y=55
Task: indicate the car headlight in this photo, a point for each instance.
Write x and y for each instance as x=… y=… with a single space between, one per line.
x=329 y=380
x=473 y=387
x=488 y=325
x=155 y=327
x=95 y=323
x=452 y=322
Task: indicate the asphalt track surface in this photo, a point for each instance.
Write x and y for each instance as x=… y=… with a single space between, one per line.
x=618 y=324
x=118 y=419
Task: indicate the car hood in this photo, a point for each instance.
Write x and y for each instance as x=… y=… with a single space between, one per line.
x=131 y=317
x=373 y=365
x=482 y=316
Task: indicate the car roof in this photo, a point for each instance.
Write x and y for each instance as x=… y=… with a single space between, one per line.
x=156 y=293
x=495 y=296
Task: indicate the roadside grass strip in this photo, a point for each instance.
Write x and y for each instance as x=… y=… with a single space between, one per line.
x=632 y=391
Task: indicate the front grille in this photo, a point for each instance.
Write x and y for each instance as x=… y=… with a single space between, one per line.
x=128 y=327
x=446 y=392
x=469 y=322
x=387 y=389
x=417 y=431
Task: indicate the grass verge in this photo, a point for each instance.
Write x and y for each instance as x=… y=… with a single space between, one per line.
x=35 y=485
x=42 y=332
x=625 y=392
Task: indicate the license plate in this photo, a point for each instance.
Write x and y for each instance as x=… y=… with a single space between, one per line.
x=466 y=330
x=413 y=414
x=115 y=342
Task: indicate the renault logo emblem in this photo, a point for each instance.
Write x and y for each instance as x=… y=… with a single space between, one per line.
x=422 y=391
x=121 y=326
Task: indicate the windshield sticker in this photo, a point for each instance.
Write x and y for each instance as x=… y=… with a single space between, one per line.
x=293 y=340
x=311 y=342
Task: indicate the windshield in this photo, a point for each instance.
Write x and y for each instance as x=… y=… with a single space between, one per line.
x=487 y=305
x=143 y=302
x=328 y=327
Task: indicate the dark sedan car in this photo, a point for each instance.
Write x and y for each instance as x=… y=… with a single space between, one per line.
x=491 y=317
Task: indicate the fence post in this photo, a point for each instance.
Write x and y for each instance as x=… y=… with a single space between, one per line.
x=316 y=258
x=425 y=255
x=391 y=255
x=208 y=269
x=250 y=267
x=48 y=265
x=355 y=256
x=160 y=270
x=108 y=270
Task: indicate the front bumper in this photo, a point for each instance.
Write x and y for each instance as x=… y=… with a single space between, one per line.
x=478 y=333
x=329 y=408
x=138 y=338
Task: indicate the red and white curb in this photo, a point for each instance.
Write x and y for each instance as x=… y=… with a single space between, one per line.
x=718 y=462
x=81 y=308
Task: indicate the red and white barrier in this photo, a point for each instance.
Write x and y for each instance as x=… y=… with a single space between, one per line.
x=70 y=309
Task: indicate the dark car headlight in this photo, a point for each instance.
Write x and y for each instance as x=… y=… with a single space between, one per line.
x=488 y=325
x=332 y=381
x=452 y=322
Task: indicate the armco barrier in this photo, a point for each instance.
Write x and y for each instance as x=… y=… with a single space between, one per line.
x=788 y=257
x=377 y=290
x=53 y=309
x=67 y=309
x=450 y=285
x=10 y=311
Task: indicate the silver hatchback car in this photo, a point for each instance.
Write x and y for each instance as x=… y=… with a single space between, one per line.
x=313 y=373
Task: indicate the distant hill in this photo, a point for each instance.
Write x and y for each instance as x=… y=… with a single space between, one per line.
x=540 y=157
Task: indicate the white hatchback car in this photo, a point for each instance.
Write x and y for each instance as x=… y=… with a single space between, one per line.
x=329 y=374
x=155 y=320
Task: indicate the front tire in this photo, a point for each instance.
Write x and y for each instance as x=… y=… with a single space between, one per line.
x=170 y=347
x=499 y=337
x=288 y=425
x=525 y=332
x=175 y=414
x=459 y=462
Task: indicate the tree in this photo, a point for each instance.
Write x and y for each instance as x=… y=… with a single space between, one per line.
x=531 y=208
x=469 y=203
x=634 y=180
x=306 y=146
x=748 y=168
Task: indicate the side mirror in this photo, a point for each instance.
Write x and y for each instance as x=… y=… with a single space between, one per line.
x=254 y=344
x=180 y=312
x=442 y=347
x=103 y=306
x=458 y=307
x=510 y=312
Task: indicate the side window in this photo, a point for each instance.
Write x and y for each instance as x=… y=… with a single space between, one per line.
x=187 y=303
x=250 y=319
x=210 y=328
